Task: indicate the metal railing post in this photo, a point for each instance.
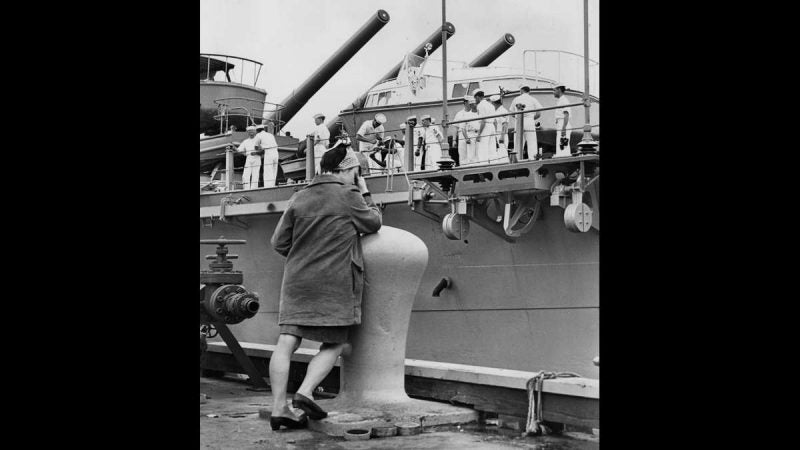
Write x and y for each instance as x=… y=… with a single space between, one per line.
x=229 y=168
x=519 y=140
x=409 y=147
x=587 y=145
x=309 y=157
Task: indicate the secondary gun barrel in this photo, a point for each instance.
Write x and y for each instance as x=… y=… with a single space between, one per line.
x=494 y=51
x=300 y=96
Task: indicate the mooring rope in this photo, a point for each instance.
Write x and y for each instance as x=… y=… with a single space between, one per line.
x=535 y=422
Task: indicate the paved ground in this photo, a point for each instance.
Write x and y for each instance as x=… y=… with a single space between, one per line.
x=229 y=420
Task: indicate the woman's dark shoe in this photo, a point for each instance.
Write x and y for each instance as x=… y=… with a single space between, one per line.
x=312 y=410
x=277 y=422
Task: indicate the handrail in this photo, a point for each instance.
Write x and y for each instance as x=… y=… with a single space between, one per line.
x=559 y=52
x=256 y=67
x=524 y=111
x=263 y=102
x=248 y=112
x=231 y=56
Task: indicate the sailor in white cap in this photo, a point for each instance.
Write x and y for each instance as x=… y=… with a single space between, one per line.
x=501 y=123
x=321 y=139
x=525 y=101
x=562 y=121
x=269 y=148
x=487 y=140
x=431 y=151
x=252 y=164
x=467 y=132
x=368 y=136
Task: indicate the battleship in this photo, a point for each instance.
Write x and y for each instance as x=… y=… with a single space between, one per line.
x=512 y=281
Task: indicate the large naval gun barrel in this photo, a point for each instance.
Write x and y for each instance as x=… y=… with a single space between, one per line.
x=494 y=51
x=298 y=98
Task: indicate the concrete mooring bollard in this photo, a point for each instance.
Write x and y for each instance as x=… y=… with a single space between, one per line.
x=373 y=369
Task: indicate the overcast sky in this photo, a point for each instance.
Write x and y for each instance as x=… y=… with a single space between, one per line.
x=292 y=37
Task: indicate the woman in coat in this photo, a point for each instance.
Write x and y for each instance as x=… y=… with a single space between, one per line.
x=323 y=279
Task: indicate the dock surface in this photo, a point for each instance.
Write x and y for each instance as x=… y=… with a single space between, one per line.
x=229 y=419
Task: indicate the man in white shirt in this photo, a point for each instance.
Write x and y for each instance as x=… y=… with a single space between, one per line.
x=501 y=124
x=486 y=140
x=562 y=122
x=467 y=132
x=252 y=164
x=432 y=138
x=368 y=136
x=525 y=101
x=321 y=139
x=268 y=145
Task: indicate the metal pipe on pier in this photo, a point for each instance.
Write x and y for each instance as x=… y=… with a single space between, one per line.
x=494 y=51
x=300 y=96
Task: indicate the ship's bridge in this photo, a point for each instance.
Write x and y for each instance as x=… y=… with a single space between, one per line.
x=229 y=69
x=228 y=83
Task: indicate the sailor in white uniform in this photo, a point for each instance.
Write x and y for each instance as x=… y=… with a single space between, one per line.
x=487 y=139
x=525 y=101
x=501 y=124
x=467 y=132
x=562 y=121
x=368 y=136
x=252 y=164
x=321 y=139
x=432 y=138
x=269 y=146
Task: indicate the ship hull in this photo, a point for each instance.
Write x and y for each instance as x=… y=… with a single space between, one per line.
x=528 y=305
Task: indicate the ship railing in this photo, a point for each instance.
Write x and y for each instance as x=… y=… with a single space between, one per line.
x=226 y=111
x=561 y=66
x=234 y=62
x=228 y=183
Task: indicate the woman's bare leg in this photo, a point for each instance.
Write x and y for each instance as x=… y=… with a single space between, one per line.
x=319 y=367
x=279 y=373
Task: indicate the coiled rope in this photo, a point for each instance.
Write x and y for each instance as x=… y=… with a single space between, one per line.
x=535 y=421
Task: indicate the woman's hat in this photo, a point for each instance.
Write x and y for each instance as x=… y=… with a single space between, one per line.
x=350 y=160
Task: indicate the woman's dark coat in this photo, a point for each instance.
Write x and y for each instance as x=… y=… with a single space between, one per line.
x=323 y=279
